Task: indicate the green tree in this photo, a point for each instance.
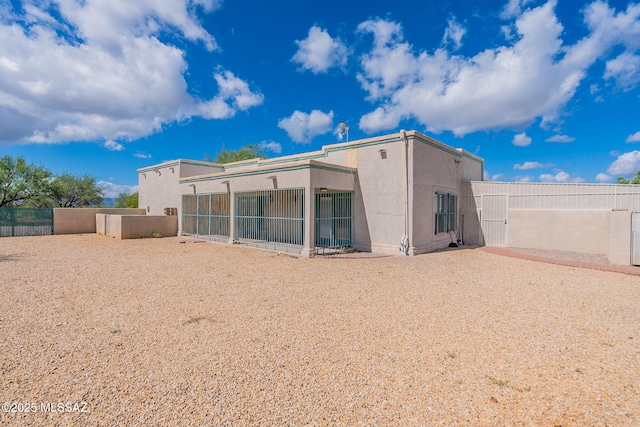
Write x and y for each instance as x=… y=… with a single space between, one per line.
x=634 y=180
x=22 y=182
x=69 y=191
x=125 y=200
x=249 y=151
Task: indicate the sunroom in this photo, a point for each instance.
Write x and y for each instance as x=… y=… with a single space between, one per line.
x=270 y=207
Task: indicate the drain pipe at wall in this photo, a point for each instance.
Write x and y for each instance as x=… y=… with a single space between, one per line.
x=404 y=243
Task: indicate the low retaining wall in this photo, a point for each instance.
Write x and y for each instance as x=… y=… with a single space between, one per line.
x=83 y=220
x=137 y=226
x=561 y=230
x=601 y=232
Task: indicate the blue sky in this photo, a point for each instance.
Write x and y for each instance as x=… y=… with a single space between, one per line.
x=543 y=91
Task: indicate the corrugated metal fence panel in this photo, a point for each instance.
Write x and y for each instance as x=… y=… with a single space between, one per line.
x=635 y=238
x=628 y=197
x=271 y=219
x=26 y=222
x=562 y=196
x=494 y=218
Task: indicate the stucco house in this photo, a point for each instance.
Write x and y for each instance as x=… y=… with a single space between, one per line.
x=397 y=193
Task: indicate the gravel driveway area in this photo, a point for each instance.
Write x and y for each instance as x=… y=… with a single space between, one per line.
x=97 y=331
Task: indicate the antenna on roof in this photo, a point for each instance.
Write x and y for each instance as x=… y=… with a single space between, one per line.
x=343 y=129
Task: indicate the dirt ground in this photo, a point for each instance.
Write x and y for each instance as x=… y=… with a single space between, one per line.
x=96 y=331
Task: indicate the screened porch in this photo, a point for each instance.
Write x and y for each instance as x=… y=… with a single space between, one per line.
x=206 y=216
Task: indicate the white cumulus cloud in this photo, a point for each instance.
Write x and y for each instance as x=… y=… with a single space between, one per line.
x=603 y=178
x=97 y=70
x=521 y=140
x=513 y=8
x=560 y=177
x=234 y=94
x=633 y=138
x=524 y=178
x=453 y=34
x=113 y=145
x=530 y=78
x=560 y=138
x=624 y=69
x=531 y=165
x=494 y=177
x=303 y=127
x=627 y=164
x=273 y=146
x=319 y=51
x=112 y=190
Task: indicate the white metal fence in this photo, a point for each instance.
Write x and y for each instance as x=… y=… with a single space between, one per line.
x=495 y=217
x=527 y=195
x=494 y=200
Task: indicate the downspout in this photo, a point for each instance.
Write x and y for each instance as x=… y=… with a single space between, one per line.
x=404 y=243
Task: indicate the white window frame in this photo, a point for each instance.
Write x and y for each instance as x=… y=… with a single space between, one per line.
x=446 y=212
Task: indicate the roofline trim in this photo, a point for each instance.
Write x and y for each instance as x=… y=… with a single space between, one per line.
x=252 y=172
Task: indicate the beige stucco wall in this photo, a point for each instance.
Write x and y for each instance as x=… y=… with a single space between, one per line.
x=378 y=186
x=254 y=181
x=434 y=171
x=605 y=233
x=562 y=230
x=257 y=181
x=101 y=224
x=191 y=168
x=136 y=226
x=158 y=188
x=471 y=228
x=83 y=220
x=379 y=209
x=619 y=242
x=379 y=204
x=159 y=185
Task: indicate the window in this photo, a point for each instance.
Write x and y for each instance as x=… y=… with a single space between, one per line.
x=452 y=213
x=446 y=207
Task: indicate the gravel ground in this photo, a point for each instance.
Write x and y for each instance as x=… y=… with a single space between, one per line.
x=159 y=332
x=563 y=255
